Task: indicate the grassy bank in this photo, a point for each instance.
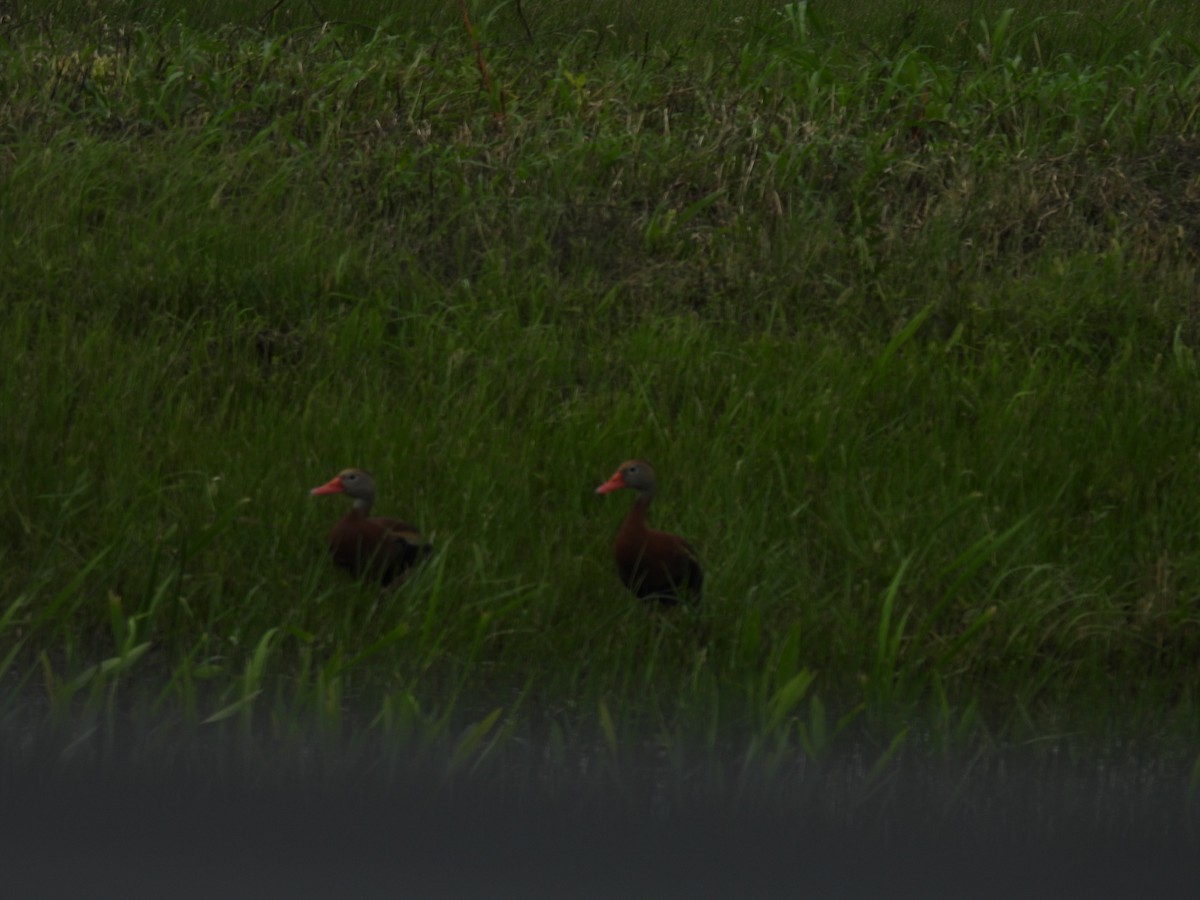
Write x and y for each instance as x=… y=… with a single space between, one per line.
x=905 y=316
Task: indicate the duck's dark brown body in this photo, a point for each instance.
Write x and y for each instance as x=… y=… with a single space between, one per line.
x=654 y=565
x=375 y=547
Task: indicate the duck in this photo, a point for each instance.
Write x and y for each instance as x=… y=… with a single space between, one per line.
x=372 y=547
x=654 y=565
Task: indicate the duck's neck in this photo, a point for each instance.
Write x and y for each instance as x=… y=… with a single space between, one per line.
x=636 y=520
x=362 y=506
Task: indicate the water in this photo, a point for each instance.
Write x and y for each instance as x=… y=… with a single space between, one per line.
x=213 y=817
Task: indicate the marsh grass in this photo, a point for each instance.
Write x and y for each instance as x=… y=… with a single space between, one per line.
x=903 y=313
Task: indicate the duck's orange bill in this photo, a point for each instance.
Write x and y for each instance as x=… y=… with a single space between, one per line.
x=333 y=486
x=613 y=484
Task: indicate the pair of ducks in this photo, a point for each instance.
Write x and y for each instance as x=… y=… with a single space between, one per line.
x=654 y=565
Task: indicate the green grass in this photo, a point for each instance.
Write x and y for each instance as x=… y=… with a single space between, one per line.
x=903 y=313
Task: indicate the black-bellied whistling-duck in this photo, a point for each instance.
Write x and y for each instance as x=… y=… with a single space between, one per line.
x=653 y=564
x=370 y=546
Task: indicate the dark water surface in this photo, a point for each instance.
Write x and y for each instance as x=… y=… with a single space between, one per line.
x=188 y=822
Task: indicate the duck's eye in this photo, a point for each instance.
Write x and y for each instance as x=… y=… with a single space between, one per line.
x=632 y=470
x=350 y=477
